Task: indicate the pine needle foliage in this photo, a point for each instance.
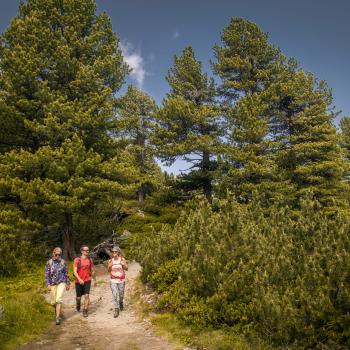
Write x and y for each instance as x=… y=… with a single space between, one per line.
x=189 y=125
x=283 y=274
x=306 y=142
x=345 y=143
x=281 y=140
x=134 y=126
x=246 y=62
x=60 y=67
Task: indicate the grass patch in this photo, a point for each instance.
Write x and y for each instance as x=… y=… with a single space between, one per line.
x=142 y=308
x=169 y=326
x=26 y=317
x=26 y=313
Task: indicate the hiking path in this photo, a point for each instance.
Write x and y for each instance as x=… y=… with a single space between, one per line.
x=100 y=330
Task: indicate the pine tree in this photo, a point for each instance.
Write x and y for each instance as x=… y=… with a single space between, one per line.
x=247 y=65
x=345 y=135
x=54 y=185
x=189 y=126
x=134 y=126
x=345 y=143
x=307 y=144
x=60 y=66
x=249 y=169
x=246 y=62
x=268 y=96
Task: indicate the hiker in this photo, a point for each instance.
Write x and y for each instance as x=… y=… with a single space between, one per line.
x=84 y=270
x=117 y=267
x=57 y=280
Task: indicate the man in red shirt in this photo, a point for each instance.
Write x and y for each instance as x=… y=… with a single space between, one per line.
x=84 y=269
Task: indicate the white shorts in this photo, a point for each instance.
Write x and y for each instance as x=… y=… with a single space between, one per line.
x=57 y=293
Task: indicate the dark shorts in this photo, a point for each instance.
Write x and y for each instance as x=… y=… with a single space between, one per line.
x=82 y=289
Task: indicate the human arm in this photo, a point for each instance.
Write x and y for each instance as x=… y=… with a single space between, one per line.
x=124 y=264
x=66 y=276
x=93 y=272
x=48 y=276
x=109 y=266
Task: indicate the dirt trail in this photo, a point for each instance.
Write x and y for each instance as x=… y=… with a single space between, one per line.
x=100 y=331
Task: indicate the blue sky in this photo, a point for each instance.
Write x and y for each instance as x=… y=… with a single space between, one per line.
x=315 y=32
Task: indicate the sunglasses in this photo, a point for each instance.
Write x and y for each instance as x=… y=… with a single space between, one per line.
x=57 y=254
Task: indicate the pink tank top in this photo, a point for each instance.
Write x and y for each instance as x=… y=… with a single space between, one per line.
x=117 y=273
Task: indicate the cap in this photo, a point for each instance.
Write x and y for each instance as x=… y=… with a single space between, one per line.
x=116 y=249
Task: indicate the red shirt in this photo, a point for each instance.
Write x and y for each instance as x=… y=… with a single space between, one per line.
x=84 y=270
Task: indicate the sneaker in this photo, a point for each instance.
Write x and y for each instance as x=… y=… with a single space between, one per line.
x=58 y=321
x=116 y=313
x=121 y=306
x=85 y=313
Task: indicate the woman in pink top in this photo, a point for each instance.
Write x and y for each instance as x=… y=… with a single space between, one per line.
x=117 y=267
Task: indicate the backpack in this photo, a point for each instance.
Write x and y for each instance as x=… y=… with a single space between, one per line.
x=90 y=265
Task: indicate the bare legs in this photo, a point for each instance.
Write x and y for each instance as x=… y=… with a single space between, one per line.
x=86 y=301
x=58 y=310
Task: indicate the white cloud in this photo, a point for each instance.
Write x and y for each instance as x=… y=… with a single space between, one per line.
x=176 y=34
x=135 y=61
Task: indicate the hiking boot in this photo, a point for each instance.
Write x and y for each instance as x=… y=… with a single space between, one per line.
x=121 y=306
x=78 y=305
x=58 y=321
x=85 y=313
x=116 y=313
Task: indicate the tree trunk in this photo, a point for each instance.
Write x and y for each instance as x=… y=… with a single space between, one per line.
x=207 y=186
x=141 y=142
x=141 y=194
x=68 y=238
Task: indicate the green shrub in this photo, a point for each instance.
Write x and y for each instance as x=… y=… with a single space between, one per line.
x=165 y=275
x=16 y=256
x=284 y=274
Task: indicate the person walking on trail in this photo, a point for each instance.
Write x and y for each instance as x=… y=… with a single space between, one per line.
x=84 y=270
x=117 y=267
x=57 y=280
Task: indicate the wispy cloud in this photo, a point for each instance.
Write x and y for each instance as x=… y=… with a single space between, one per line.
x=135 y=61
x=176 y=34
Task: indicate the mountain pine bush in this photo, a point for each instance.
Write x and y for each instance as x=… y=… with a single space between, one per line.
x=284 y=274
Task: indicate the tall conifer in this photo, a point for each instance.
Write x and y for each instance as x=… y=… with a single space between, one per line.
x=345 y=143
x=60 y=66
x=189 y=126
x=247 y=65
x=248 y=168
x=307 y=144
x=135 y=125
x=267 y=95
x=246 y=62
